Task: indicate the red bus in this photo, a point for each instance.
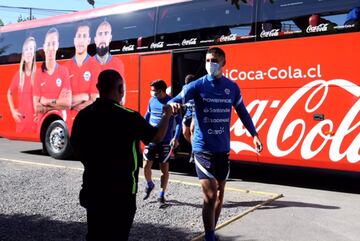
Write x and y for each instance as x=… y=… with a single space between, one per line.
x=295 y=62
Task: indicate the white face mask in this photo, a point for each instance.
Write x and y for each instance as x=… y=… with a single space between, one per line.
x=212 y=68
x=152 y=93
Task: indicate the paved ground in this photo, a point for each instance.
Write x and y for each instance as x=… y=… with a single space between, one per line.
x=38 y=201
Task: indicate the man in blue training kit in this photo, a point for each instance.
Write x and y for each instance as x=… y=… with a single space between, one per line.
x=214 y=95
x=188 y=120
x=160 y=152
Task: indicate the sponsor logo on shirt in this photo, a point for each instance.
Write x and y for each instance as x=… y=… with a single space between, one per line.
x=209 y=120
x=216 y=110
x=227 y=91
x=216 y=131
x=87 y=75
x=58 y=82
x=213 y=100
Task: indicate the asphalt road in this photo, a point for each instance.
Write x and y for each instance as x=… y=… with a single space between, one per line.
x=38 y=201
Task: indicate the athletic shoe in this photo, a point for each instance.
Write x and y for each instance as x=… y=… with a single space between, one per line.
x=161 y=201
x=148 y=191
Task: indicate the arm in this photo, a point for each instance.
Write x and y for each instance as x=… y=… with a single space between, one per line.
x=186 y=94
x=247 y=121
x=14 y=112
x=163 y=125
x=39 y=107
x=63 y=101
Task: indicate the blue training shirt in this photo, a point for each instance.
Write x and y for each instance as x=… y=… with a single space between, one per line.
x=213 y=101
x=153 y=116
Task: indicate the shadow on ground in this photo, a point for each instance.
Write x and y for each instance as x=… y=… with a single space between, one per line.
x=21 y=227
x=330 y=180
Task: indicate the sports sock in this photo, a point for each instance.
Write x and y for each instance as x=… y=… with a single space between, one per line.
x=150 y=184
x=210 y=235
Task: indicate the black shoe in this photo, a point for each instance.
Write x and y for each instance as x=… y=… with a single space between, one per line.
x=148 y=191
x=161 y=201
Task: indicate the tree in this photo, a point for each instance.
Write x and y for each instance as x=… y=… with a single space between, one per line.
x=1 y=23
x=23 y=19
x=91 y=2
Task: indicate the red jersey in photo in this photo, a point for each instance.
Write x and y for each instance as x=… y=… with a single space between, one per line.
x=24 y=103
x=111 y=63
x=83 y=78
x=50 y=86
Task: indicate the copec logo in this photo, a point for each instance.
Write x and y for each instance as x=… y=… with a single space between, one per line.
x=274 y=73
x=341 y=137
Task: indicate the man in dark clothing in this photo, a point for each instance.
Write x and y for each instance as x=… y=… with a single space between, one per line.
x=105 y=137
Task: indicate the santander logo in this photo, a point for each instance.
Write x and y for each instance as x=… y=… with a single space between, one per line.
x=290 y=134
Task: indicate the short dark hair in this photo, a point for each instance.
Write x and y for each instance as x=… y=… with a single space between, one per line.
x=108 y=80
x=83 y=24
x=159 y=85
x=189 y=78
x=217 y=51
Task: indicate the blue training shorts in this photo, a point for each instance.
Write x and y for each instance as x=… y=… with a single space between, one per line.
x=212 y=165
x=157 y=152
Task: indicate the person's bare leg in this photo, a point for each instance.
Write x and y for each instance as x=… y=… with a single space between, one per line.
x=147 y=170
x=164 y=179
x=209 y=187
x=219 y=200
x=148 y=177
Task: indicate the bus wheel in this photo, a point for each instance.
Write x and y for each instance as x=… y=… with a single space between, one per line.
x=57 y=141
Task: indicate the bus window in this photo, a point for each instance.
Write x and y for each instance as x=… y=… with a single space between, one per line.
x=203 y=22
x=289 y=18
x=131 y=31
x=10 y=50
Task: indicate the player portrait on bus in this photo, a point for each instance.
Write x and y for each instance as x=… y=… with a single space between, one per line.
x=52 y=90
x=83 y=71
x=20 y=92
x=102 y=41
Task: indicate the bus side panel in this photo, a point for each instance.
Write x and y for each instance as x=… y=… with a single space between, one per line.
x=153 y=67
x=131 y=76
x=307 y=103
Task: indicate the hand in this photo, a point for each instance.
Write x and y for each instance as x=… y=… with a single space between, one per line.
x=174 y=142
x=176 y=108
x=257 y=143
x=167 y=110
x=17 y=116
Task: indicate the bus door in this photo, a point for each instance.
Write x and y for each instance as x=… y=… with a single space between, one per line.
x=184 y=63
x=153 y=67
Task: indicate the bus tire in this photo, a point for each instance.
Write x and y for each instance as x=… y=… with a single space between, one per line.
x=57 y=140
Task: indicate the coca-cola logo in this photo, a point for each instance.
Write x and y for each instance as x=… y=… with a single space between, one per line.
x=128 y=48
x=271 y=33
x=288 y=133
x=157 y=45
x=323 y=27
x=231 y=37
x=187 y=42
